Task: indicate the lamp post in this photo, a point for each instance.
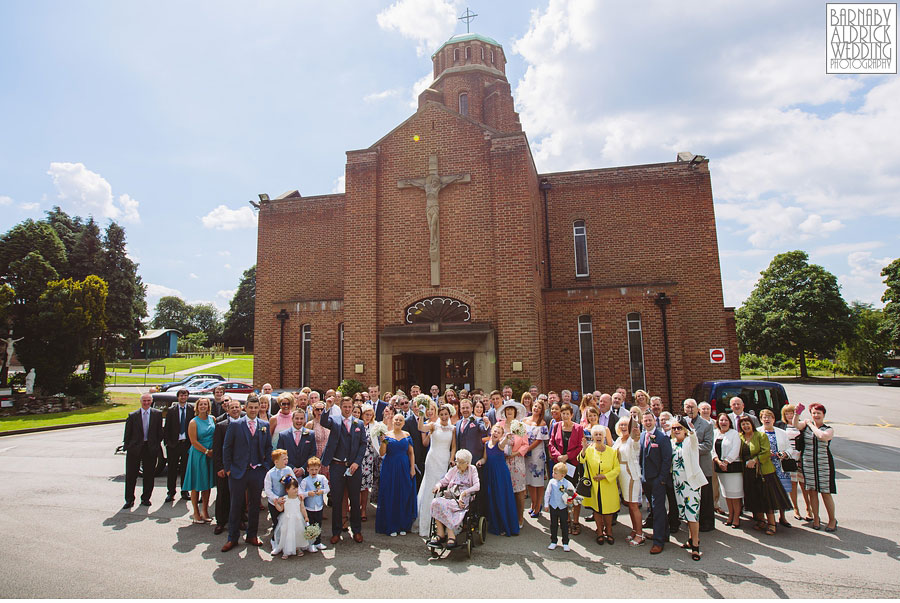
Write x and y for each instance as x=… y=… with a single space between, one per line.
x=282 y=316
x=662 y=300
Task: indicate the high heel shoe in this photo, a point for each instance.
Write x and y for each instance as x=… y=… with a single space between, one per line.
x=827 y=529
x=695 y=552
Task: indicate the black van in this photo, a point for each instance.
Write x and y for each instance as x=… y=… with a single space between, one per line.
x=756 y=395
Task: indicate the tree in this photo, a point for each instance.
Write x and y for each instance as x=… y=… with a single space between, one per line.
x=240 y=315
x=864 y=352
x=30 y=236
x=795 y=309
x=891 y=297
x=29 y=277
x=126 y=305
x=70 y=316
x=66 y=227
x=86 y=256
x=205 y=318
x=172 y=312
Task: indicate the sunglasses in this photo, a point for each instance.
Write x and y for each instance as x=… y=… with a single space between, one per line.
x=678 y=429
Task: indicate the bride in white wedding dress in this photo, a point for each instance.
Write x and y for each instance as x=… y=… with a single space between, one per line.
x=441 y=436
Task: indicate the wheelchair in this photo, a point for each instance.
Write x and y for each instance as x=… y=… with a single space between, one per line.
x=474 y=526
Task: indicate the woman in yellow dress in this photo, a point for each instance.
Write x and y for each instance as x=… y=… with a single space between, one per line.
x=603 y=467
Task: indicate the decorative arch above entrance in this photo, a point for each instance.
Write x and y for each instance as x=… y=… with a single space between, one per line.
x=437 y=310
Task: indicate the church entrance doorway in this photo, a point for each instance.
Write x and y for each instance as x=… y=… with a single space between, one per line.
x=456 y=371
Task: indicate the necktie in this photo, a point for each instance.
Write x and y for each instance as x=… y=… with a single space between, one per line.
x=145 y=416
x=347 y=424
x=183 y=426
x=296 y=438
x=252 y=426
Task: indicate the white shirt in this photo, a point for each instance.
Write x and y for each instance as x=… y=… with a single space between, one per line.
x=182 y=409
x=335 y=412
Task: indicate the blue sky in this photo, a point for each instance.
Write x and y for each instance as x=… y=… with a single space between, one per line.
x=170 y=116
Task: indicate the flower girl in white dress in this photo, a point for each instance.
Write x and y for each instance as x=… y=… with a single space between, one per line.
x=291 y=523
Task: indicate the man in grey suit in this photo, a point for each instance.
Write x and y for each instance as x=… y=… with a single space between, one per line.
x=704 y=431
x=737 y=411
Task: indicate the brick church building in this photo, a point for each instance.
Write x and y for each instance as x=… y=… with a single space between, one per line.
x=451 y=260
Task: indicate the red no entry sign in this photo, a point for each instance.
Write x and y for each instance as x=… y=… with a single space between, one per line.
x=717 y=355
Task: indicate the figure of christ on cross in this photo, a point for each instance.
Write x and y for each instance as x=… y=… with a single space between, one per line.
x=432 y=185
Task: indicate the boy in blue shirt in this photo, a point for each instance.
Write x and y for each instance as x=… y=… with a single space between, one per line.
x=555 y=500
x=314 y=487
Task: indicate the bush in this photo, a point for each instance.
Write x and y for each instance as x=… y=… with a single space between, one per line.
x=79 y=386
x=350 y=387
x=519 y=386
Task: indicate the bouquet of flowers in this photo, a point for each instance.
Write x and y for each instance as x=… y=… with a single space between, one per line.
x=423 y=403
x=312 y=532
x=317 y=485
x=378 y=429
x=516 y=427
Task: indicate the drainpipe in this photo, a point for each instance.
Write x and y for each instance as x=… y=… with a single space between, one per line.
x=282 y=317
x=545 y=186
x=662 y=301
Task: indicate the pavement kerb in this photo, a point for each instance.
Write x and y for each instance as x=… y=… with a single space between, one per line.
x=55 y=427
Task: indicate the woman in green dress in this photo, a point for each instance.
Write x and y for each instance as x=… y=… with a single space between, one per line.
x=199 y=476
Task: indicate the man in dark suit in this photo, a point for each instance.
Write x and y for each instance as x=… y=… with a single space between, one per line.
x=178 y=417
x=705 y=440
x=223 y=494
x=343 y=454
x=656 y=472
x=469 y=433
x=299 y=442
x=420 y=451
x=143 y=435
x=246 y=456
x=737 y=411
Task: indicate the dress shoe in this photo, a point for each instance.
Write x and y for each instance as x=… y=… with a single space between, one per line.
x=145 y=503
x=219 y=530
x=358 y=537
x=185 y=495
x=656 y=549
x=335 y=539
x=227 y=546
x=648 y=523
x=254 y=541
x=170 y=498
x=128 y=505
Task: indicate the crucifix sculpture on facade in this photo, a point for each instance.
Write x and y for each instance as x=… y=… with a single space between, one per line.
x=432 y=184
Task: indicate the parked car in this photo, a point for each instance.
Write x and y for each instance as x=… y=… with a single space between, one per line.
x=231 y=388
x=186 y=382
x=756 y=395
x=203 y=389
x=890 y=375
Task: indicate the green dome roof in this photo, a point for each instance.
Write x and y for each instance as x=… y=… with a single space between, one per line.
x=465 y=38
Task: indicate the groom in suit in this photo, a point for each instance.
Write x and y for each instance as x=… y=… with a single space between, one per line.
x=343 y=454
x=299 y=442
x=656 y=473
x=246 y=456
x=143 y=435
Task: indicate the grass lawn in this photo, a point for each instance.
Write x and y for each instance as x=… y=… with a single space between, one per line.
x=240 y=366
x=121 y=404
x=813 y=378
x=137 y=378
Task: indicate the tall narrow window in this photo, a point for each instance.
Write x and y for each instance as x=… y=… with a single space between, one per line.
x=340 y=352
x=463 y=104
x=455 y=54
x=586 y=352
x=581 y=259
x=492 y=57
x=635 y=351
x=468 y=52
x=482 y=53
x=305 y=339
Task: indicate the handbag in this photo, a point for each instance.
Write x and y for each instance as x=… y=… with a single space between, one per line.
x=585 y=485
x=789 y=465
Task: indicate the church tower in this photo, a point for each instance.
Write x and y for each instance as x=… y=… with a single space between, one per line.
x=470 y=78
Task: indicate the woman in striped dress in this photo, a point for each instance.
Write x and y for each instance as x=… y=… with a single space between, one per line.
x=817 y=464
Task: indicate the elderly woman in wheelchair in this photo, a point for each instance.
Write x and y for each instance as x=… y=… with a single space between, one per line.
x=449 y=510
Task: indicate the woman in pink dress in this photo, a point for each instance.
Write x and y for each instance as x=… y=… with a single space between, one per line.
x=448 y=511
x=320 y=432
x=284 y=419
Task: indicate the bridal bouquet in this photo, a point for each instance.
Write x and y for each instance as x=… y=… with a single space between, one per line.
x=516 y=427
x=312 y=532
x=378 y=429
x=423 y=403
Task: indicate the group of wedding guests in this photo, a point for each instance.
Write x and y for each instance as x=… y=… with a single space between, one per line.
x=422 y=457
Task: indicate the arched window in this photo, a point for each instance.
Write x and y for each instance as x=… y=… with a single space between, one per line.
x=455 y=54
x=305 y=340
x=635 y=350
x=586 y=353
x=438 y=309
x=468 y=52
x=492 y=57
x=581 y=257
x=340 y=352
x=482 y=54
x=463 y=104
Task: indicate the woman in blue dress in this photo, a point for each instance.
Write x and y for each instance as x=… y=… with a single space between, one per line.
x=198 y=478
x=397 y=491
x=502 y=514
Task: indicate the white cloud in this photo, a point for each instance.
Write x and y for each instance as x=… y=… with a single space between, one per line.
x=864 y=282
x=418 y=87
x=88 y=192
x=842 y=248
x=380 y=96
x=225 y=253
x=339 y=184
x=226 y=293
x=224 y=218
x=788 y=143
x=192 y=275
x=428 y=22
x=735 y=291
x=29 y=206
x=4 y=200
x=158 y=291
x=227 y=266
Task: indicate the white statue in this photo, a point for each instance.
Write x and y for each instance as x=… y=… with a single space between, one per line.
x=29 y=382
x=9 y=347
